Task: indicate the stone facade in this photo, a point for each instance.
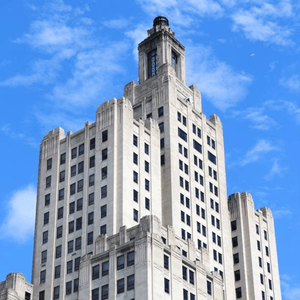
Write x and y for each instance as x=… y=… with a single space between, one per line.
x=15 y=287
x=150 y=153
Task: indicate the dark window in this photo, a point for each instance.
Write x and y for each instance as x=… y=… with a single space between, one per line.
x=146 y=166
x=162 y=143
x=135 y=195
x=59 y=232
x=78 y=223
x=212 y=157
x=179 y=116
x=120 y=262
x=182 y=134
x=135 y=158
x=56 y=292
x=60 y=213
x=135 y=215
x=62 y=176
x=95 y=272
x=213 y=144
x=260 y=262
x=43 y=276
x=80 y=167
x=70 y=246
x=71 y=226
x=120 y=286
x=197 y=146
x=162 y=160
x=147 y=184
x=44 y=256
x=104 y=154
x=80 y=185
x=130 y=282
x=69 y=266
x=46 y=218
x=76 y=285
x=48 y=181
x=103 y=211
x=103 y=173
x=104 y=292
x=91 y=218
x=192 y=296
x=92 y=143
x=265 y=235
x=185 y=152
x=152 y=65
x=166 y=262
x=76 y=264
x=235 y=241
x=270 y=284
x=78 y=243
x=217 y=207
x=263 y=295
x=183 y=234
x=61 y=194
x=160 y=111
x=236 y=258
x=103 y=191
x=62 y=158
x=147 y=203
x=267 y=251
x=208 y=287
x=72 y=207
x=72 y=188
x=103 y=229
x=49 y=164
x=135 y=140
x=92 y=161
x=174 y=59
x=191 y=273
x=73 y=171
x=185 y=294
x=79 y=204
x=261 y=278
x=74 y=152
x=233 y=225
x=90 y=238
x=104 y=136
x=58 y=251
x=47 y=199
x=130 y=258
x=167 y=286
x=161 y=126
x=135 y=176
x=92 y=180
x=105 y=268
x=146 y=148
x=57 y=272
x=269 y=267
x=42 y=295
x=203 y=230
x=184 y=272
x=238 y=292
x=68 y=287
x=237 y=275
x=95 y=294
x=149 y=115
x=91 y=198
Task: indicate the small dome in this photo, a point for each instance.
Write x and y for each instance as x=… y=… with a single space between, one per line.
x=160 y=20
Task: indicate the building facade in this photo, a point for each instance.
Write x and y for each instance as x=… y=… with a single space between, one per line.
x=150 y=155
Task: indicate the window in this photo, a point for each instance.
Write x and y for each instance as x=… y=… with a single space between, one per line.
x=183 y=234
x=104 y=136
x=218 y=223
x=120 y=262
x=92 y=143
x=135 y=158
x=152 y=65
x=174 y=59
x=219 y=240
x=120 y=286
x=80 y=185
x=47 y=199
x=184 y=120
x=161 y=127
x=44 y=256
x=146 y=148
x=187 y=187
x=162 y=143
x=70 y=246
x=235 y=241
x=208 y=285
x=130 y=258
x=270 y=284
x=42 y=295
x=216 y=191
x=160 y=111
x=103 y=211
x=130 y=282
x=72 y=207
x=92 y=161
x=267 y=251
x=92 y=180
x=78 y=223
x=147 y=203
x=203 y=230
x=60 y=213
x=236 y=258
x=46 y=218
x=43 y=276
x=56 y=292
x=260 y=262
x=61 y=194
x=217 y=207
x=238 y=292
x=167 y=286
x=135 y=215
x=191 y=273
x=212 y=157
x=197 y=146
x=185 y=294
x=198 y=227
x=95 y=272
x=262 y=295
x=233 y=225
x=59 y=232
x=215 y=255
x=166 y=262
x=185 y=152
x=49 y=164
x=179 y=116
x=48 y=181
x=146 y=166
x=76 y=264
x=213 y=144
x=135 y=176
x=78 y=243
x=182 y=216
x=103 y=191
x=90 y=238
x=180 y=148
x=149 y=115
x=91 y=198
x=62 y=158
x=69 y=266
x=237 y=275
x=104 y=154
x=258 y=245
x=72 y=188
x=265 y=235
x=203 y=213
x=147 y=184
x=90 y=218
x=215 y=175
x=186 y=169
x=103 y=229
x=212 y=220
x=57 y=272
x=214 y=237
x=81 y=149
x=135 y=140
x=58 y=251
x=220 y=258
x=79 y=204
x=68 y=287
x=269 y=267
x=95 y=294
x=104 y=292
x=261 y=278
x=105 y=268
x=200 y=164
x=184 y=272
x=198 y=209
x=182 y=134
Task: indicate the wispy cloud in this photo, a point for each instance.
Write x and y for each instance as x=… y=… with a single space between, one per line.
x=218 y=81
x=281 y=213
x=117 y=23
x=19 y=221
x=257 y=116
x=7 y=130
x=276 y=170
x=292 y=83
x=290 y=289
x=261 y=147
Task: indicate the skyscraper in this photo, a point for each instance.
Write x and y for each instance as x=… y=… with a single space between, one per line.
x=134 y=206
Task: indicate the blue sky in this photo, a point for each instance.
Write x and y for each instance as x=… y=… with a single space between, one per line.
x=61 y=59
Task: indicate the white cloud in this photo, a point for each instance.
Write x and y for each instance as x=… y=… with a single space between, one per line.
x=281 y=213
x=117 y=23
x=292 y=83
x=261 y=147
x=257 y=116
x=19 y=221
x=276 y=170
x=290 y=289
x=218 y=81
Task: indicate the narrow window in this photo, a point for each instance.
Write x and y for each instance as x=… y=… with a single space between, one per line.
x=152 y=64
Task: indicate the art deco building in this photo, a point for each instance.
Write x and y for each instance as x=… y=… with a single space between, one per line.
x=134 y=205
